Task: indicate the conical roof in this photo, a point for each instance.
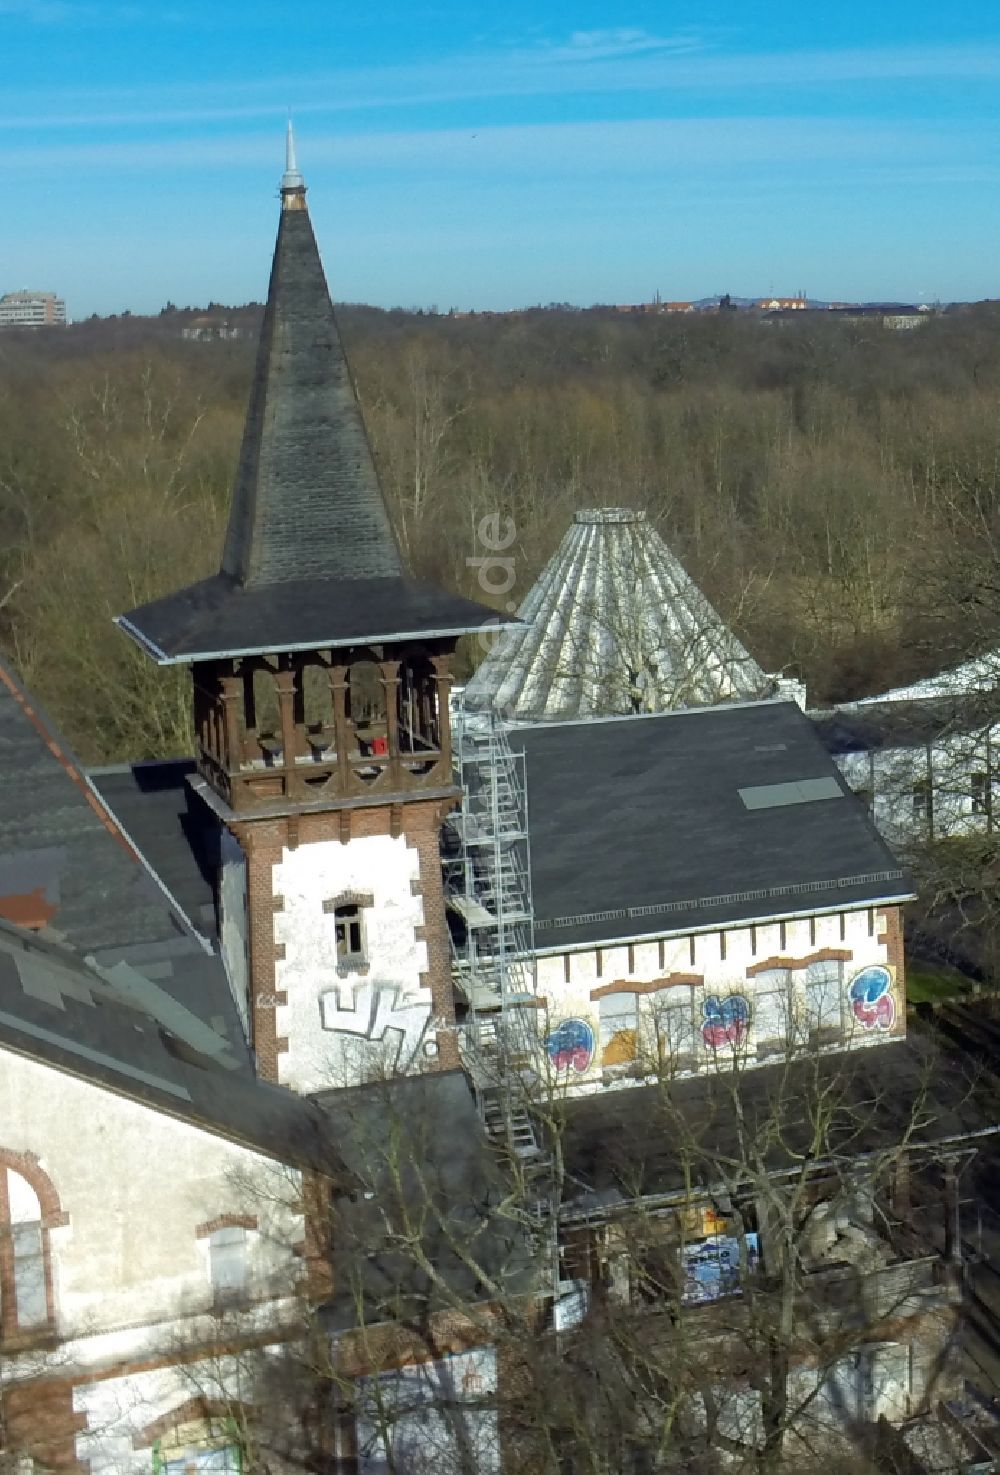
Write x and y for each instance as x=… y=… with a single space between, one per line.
x=307 y=498
x=613 y=625
x=310 y=558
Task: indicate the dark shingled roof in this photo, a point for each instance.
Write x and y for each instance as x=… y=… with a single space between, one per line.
x=660 y=1139
x=871 y=726
x=175 y=832
x=58 y=841
x=638 y=827
x=120 y=1031
x=307 y=502
x=218 y=618
x=424 y=1172
x=310 y=559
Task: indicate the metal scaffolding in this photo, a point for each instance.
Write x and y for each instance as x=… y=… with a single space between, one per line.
x=488 y=890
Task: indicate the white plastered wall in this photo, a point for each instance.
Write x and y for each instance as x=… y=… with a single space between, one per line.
x=957 y=766
x=344 y=1027
x=722 y=960
x=136 y=1186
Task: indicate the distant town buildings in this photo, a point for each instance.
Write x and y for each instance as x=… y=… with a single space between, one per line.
x=783 y=304
x=892 y=315
x=32 y=310
x=208 y=329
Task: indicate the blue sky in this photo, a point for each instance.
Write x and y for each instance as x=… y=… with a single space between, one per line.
x=491 y=156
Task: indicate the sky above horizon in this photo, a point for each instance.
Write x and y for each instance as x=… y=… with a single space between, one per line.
x=489 y=157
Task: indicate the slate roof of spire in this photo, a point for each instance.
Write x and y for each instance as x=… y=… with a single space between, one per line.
x=307 y=502
x=310 y=556
x=614 y=625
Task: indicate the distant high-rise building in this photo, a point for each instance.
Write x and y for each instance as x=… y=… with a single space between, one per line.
x=32 y=310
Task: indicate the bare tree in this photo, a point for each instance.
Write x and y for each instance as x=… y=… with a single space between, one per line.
x=747 y=1268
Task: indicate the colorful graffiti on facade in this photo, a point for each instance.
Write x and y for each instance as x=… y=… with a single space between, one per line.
x=870 y=993
x=726 y=1021
x=570 y=1046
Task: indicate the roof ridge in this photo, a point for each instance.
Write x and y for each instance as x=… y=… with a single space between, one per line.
x=63 y=755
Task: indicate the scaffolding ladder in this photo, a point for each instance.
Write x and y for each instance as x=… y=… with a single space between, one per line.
x=488 y=891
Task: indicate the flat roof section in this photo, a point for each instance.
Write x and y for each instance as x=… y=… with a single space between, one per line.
x=639 y=825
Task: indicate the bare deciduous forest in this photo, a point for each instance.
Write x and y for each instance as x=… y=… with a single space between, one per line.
x=834 y=487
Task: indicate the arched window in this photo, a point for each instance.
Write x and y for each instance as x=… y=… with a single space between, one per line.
x=28 y=1210
x=203 y=1435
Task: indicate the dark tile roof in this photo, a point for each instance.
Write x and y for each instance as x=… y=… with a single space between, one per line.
x=57 y=838
x=310 y=558
x=173 y=830
x=903 y=724
x=217 y=617
x=428 y=1190
x=122 y=1032
x=638 y=826
x=654 y=1140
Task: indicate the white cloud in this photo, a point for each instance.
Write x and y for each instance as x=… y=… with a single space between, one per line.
x=617 y=42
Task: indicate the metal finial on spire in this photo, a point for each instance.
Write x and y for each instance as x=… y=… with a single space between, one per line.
x=291 y=180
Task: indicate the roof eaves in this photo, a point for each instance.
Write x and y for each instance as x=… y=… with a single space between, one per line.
x=698 y=929
x=705 y=710
x=190 y=657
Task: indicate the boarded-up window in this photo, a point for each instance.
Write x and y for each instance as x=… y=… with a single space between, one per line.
x=888 y=1381
x=619 y=1027
x=772 y=1006
x=824 y=993
x=27 y=1256
x=673 y=1024
x=228 y=1261
x=29 y=1275
x=225 y=1459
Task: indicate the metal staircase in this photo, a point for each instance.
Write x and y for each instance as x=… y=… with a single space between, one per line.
x=488 y=891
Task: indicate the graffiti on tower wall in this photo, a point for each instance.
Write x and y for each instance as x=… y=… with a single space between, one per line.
x=382 y=1020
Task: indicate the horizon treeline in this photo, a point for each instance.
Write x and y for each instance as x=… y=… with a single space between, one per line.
x=833 y=487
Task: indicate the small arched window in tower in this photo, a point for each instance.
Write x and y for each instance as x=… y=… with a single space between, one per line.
x=349 y=931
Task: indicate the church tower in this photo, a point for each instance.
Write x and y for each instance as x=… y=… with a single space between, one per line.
x=321 y=675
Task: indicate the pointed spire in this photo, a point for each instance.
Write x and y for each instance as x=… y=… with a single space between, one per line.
x=307 y=499
x=293 y=186
x=310 y=559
